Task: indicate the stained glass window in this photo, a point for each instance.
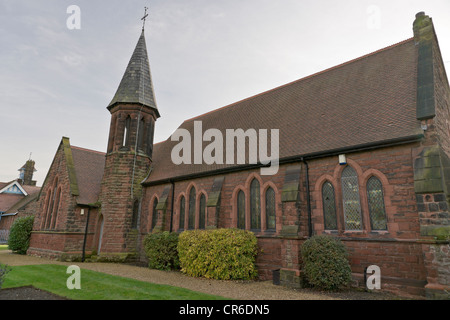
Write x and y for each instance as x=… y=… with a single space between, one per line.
x=350 y=197
x=329 y=206
x=154 y=213
x=182 y=210
x=191 y=221
x=241 y=210
x=270 y=210
x=202 y=218
x=376 y=204
x=255 y=206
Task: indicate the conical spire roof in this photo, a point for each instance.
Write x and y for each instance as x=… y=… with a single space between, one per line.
x=136 y=85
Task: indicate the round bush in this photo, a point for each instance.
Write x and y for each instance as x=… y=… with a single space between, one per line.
x=224 y=254
x=161 y=250
x=325 y=262
x=19 y=234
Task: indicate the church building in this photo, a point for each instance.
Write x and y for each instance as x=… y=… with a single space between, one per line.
x=363 y=155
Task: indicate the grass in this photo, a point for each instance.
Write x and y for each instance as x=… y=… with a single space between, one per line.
x=96 y=285
x=3 y=247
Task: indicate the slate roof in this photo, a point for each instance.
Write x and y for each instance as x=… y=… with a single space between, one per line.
x=89 y=166
x=364 y=101
x=136 y=85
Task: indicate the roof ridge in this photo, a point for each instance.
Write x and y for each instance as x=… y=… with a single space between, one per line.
x=305 y=78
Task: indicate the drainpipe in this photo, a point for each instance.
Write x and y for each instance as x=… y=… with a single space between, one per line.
x=171 y=209
x=308 y=199
x=85 y=235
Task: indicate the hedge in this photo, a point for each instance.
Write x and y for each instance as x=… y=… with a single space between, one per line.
x=325 y=262
x=19 y=234
x=224 y=254
x=161 y=250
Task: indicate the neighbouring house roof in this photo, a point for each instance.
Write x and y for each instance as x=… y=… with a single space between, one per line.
x=22 y=203
x=31 y=189
x=9 y=201
x=89 y=166
x=367 y=100
x=4 y=184
x=136 y=85
x=12 y=187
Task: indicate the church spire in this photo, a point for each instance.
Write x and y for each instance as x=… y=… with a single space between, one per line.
x=136 y=85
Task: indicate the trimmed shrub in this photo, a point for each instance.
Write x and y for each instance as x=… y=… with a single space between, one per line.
x=19 y=234
x=325 y=263
x=161 y=250
x=224 y=254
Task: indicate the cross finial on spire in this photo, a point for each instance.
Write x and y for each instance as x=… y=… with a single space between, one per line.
x=144 y=18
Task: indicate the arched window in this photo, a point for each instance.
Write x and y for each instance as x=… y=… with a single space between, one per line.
x=241 y=210
x=51 y=206
x=182 y=211
x=141 y=134
x=154 y=213
x=191 y=220
x=126 y=132
x=350 y=198
x=50 y=209
x=255 y=206
x=149 y=135
x=134 y=219
x=376 y=204
x=45 y=211
x=202 y=214
x=270 y=210
x=55 y=213
x=329 y=206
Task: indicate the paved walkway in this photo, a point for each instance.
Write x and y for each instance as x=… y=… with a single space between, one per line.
x=240 y=290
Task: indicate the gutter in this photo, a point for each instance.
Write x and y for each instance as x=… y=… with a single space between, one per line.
x=299 y=158
x=8 y=214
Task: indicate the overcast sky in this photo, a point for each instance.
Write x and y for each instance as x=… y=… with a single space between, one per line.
x=204 y=54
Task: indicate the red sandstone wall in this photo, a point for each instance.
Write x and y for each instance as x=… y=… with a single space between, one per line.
x=396 y=251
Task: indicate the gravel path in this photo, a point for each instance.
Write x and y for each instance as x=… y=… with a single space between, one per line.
x=240 y=290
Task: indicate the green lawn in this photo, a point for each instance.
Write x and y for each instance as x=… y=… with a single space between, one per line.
x=96 y=285
x=3 y=247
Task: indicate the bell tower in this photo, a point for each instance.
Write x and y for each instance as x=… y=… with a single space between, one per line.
x=129 y=155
